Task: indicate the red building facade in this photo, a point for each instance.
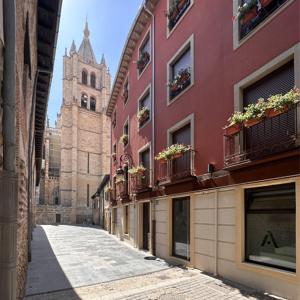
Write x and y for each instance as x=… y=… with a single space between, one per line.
x=225 y=203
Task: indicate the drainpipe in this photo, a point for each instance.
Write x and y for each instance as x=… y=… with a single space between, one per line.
x=152 y=211
x=9 y=179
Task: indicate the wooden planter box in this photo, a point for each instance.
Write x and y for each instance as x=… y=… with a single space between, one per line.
x=271 y=112
x=251 y=14
x=251 y=122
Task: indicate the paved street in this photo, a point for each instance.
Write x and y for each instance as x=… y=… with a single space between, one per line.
x=76 y=262
x=72 y=256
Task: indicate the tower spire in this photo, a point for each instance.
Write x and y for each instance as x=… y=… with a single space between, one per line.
x=85 y=49
x=103 y=62
x=73 y=48
x=86 y=30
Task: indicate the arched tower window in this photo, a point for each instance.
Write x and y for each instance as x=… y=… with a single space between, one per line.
x=84 y=77
x=84 y=100
x=92 y=104
x=93 y=80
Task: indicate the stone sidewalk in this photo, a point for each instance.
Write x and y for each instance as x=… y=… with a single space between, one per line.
x=65 y=257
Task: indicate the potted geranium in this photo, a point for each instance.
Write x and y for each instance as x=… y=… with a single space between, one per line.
x=137 y=170
x=108 y=189
x=278 y=104
x=143 y=114
x=254 y=113
x=120 y=180
x=180 y=81
x=124 y=139
x=235 y=123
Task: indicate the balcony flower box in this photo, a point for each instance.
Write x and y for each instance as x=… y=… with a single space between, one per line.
x=143 y=61
x=278 y=104
x=139 y=170
x=143 y=114
x=254 y=113
x=235 y=124
x=172 y=152
x=124 y=139
x=180 y=82
x=265 y=3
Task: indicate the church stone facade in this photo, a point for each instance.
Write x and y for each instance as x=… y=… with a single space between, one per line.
x=85 y=137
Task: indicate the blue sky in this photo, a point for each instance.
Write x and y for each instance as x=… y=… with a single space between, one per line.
x=109 y=22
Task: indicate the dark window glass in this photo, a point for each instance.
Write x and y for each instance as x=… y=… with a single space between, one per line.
x=92 y=104
x=145 y=103
x=144 y=55
x=93 y=80
x=182 y=135
x=181 y=227
x=270 y=226
x=84 y=101
x=84 y=77
x=88 y=195
x=145 y=161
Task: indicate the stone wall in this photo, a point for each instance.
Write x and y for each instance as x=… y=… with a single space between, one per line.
x=46 y=214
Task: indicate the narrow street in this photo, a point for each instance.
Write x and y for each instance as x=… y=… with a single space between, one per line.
x=80 y=262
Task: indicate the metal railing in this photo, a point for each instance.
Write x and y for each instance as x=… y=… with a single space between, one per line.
x=140 y=182
x=177 y=168
x=270 y=136
x=122 y=190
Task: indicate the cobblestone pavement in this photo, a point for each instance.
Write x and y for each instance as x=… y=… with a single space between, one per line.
x=65 y=257
x=171 y=284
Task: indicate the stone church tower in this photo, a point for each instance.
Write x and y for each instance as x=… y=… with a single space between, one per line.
x=85 y=130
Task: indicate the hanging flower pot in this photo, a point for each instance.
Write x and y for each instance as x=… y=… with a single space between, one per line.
x=233 y=129
x=251 y=122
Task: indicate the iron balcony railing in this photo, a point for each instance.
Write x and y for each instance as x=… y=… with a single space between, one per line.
x=140 y=182
x=259 y=13
x=270 y=136
x=178 y=168
x=122 y=190
x=113 y=197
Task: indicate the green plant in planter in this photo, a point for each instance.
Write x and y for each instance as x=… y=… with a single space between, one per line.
x=172 y=151
x=280 y=102
x=124 y=139
x=255 y=111
x=183 y=76
x=236 y=118
x=144 y=111
x=137 y=170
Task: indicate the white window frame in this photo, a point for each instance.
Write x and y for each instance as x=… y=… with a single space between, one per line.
x=235 y=26
x=169 y=32
x=142 y=149
x=126 y=80
x=190 y=119
x=146 y=91
x=189 y=43
x=149 y=35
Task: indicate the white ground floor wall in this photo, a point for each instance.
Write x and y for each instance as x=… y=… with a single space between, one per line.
x=216 y=236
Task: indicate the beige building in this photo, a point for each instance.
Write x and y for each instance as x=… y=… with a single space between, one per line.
x=84 y=132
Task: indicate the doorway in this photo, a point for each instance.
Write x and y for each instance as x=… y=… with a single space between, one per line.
x=146 y=225
x=57 y=218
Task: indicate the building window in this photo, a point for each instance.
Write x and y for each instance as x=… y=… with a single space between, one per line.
x=56 y=196
x=84 y=100
x=114 y=153
x=259 y=140
x=26 y=53
x=270 y=226
x=93 y=80
x=88 y=162
x=84 y=76
x=252 y=13
x=126 y=219
x=144 y=54
x=180 y=72
x=126 y=91
x=144 y=109
x=145 y=162
x=176 y=9
x=88 y=195
x=181 y=227
x=114 y=119
x=125 y=137
x=92 y=104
